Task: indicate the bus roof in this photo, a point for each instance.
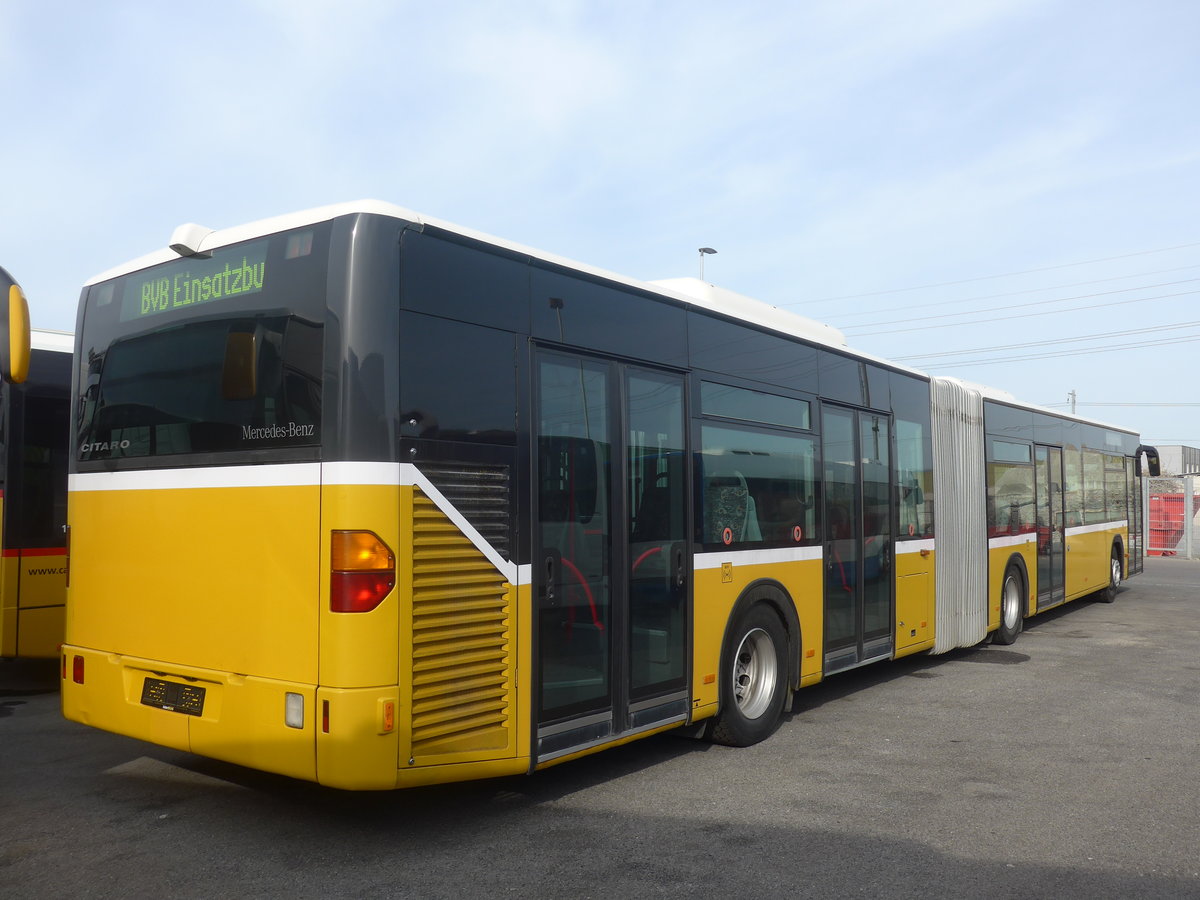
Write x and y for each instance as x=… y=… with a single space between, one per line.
x=998 y=395
x=45 y=339
x=691 y=291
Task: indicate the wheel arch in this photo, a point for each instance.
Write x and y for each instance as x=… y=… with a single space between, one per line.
x=776 y=596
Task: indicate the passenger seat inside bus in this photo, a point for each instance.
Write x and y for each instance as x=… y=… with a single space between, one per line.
x=728 y=503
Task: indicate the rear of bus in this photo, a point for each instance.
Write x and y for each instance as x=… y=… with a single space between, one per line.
x=231 y=579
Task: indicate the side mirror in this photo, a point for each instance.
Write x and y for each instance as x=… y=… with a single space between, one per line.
x=1152 y=466
x=14 y=330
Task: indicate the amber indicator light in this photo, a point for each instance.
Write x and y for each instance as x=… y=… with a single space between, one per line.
x=363 y=571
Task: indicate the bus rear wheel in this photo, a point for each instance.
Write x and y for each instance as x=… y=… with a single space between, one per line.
x=1116 y=571
x=1012 y=607
x=753 y=679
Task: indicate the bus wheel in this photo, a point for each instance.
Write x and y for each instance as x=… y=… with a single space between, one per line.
x=1109 y=594
x=1012 y=603
x=753 y=679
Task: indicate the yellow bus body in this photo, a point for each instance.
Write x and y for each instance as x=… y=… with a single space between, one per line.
x=915 y=630
x=257 y=556
x=410 y=693
x=1001 y=552
x=720 y=580
x=185 y=565
x=32 y=595
x=1089 y=549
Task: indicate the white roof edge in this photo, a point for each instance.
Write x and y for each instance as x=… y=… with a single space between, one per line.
x=250 y=230
x=714 y=299
x=48 y=339
x=757 y=312
x=717 y=299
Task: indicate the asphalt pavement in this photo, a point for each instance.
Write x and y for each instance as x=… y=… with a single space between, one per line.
x=1066 y=765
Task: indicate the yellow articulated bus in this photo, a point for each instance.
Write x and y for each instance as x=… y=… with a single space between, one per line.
x=33 y=481
x=369 y=499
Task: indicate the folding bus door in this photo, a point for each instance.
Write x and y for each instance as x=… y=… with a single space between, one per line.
x=611 y=560
x=858 y=536
x=1048 y=464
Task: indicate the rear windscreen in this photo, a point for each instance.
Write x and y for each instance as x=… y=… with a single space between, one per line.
x=207 y=355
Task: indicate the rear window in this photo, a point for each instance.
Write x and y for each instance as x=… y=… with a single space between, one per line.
x=207 y=355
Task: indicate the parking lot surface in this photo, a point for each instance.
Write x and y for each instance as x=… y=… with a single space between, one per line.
x=1065 y=765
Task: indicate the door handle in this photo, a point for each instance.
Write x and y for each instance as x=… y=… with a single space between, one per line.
x=551 y=578
x=680 y=576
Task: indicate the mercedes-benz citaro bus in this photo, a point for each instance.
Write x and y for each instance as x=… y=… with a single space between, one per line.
x=369 y=499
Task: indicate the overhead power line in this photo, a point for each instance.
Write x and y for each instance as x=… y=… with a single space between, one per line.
x=1037 y=290
x=1098 y=403
x=1073 y=340
x=1051 y=312
x=1085 y=262
x=1056 y=355
x=975 y=312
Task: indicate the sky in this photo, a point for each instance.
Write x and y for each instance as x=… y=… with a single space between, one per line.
x=1006 y=191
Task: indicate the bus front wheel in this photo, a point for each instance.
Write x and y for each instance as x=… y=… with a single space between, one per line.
x=753 y=679
x=1012 y=603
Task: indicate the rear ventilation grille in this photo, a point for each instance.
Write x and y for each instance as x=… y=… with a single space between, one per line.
x=462 y=678
x=481 y=493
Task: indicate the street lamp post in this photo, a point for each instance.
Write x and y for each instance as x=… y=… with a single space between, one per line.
x=704 y=251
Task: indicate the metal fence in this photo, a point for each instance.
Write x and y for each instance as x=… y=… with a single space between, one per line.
x=1173 y=516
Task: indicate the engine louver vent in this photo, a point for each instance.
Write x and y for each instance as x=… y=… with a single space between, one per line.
x=461 y=631
x=481 y=493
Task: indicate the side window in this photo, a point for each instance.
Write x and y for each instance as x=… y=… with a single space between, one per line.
x=914 y=479
x=36 y=494
x=914 y=457
x=1093 y=488
x=1115 y=506
x=757 y=487
x=1010 y=496
x=42 y=494
x=1072 y=487
x=475 y=399
x=747 y=405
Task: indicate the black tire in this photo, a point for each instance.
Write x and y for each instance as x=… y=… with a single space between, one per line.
x=1012 y=607
x=1116 y=571
x=754 y=680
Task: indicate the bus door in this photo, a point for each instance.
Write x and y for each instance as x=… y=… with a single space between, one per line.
x=611 y=564
x=1133 y=503
x=858 y=536
x=1048 y=462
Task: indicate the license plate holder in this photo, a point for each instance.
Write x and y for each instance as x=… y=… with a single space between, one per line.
x=173 y=696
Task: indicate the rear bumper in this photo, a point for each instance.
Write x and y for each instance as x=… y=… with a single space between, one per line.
x=341 y=738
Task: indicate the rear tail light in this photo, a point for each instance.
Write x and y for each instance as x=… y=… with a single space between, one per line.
x=363 y=571
x=77 y=670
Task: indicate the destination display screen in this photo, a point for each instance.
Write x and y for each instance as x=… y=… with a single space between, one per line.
x=183 y=284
